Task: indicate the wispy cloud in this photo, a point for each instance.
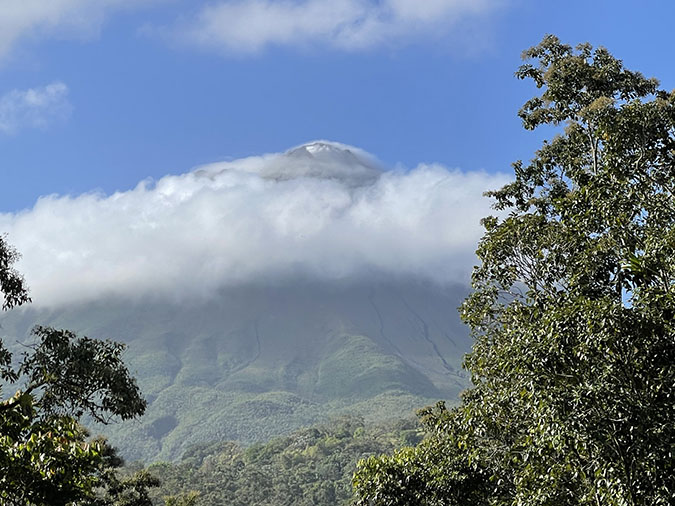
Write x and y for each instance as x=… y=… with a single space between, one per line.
x=244 y=26
x=326 y=215
x=251 y=25
x=36 y=19
x=34 y=107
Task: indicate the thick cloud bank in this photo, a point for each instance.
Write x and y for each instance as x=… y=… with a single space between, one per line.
x=322 y=210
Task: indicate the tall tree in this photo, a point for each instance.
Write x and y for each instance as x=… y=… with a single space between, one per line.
x=46 y=457
x=573 y=308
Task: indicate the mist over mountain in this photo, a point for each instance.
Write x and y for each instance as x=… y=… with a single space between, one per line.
x=263 y=294
x=322 y=210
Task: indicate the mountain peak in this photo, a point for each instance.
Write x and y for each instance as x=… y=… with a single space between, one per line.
x=317 y=160
x=326 y=160
x=324 y=150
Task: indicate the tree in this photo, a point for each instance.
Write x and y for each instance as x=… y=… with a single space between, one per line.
x=572 y=311
x=46 y=457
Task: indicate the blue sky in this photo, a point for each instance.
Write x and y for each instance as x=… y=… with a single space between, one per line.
x=142 y=141
x=131 y=90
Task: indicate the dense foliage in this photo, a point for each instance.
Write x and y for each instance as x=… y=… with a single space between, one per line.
x=312 y=466
x=573 y=367
x=46 y=457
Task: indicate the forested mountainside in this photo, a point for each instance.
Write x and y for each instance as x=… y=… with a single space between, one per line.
x=259 y=361
x=311 y=466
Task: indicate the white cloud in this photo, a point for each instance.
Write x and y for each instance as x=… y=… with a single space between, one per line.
x=252 y=25
x=327 y=214
x=35 y=19
x=34 y=107
x=248 y=25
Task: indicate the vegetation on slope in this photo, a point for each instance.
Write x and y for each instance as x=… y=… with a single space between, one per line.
x=310 y=467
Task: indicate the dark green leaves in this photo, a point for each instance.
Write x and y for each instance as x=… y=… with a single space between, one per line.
x=572 y=310
x=75 y=376
x=12 y=285
x=46 y=457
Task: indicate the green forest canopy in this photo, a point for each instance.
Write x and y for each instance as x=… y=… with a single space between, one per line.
x=572 y=311
x=46 y=456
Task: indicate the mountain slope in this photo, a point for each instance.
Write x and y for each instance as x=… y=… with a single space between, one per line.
x=257 y=361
